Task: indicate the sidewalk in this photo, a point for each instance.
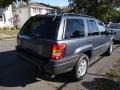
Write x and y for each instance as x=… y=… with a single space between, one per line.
x=8 y=34
x=5 y=36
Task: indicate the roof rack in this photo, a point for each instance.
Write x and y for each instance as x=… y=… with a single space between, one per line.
x=75 y=14
x=70 y=14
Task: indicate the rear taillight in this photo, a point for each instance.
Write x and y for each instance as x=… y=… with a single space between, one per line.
x=58 y=51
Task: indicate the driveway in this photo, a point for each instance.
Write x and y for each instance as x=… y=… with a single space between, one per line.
x=17 y=74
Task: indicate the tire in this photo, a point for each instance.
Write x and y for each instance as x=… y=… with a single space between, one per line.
x=80 y=69
x=110 y=49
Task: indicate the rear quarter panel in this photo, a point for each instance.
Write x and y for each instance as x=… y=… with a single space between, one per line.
x=76 y=46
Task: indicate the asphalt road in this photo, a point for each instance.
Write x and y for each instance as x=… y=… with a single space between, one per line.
x=17 y=74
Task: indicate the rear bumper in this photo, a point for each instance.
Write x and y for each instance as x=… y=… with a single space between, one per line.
x=50 y=66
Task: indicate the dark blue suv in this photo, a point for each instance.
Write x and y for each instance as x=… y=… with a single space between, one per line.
x=63 y=42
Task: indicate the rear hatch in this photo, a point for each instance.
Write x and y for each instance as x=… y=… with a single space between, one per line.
x=38 y=35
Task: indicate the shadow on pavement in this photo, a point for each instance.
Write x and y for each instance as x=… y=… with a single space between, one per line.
x=99 y=84
x=15 y=72
x=18 y=72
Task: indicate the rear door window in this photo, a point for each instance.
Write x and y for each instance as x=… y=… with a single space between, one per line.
x=93 y=29
x=74 y=28
x=43 y=27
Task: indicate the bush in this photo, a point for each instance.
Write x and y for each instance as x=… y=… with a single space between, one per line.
x=8 y=28
x=5 y=28
x=13 y=28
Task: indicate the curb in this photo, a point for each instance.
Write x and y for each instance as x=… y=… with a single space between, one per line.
x=8 y=39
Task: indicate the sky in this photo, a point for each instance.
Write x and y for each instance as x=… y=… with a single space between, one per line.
x=60 y=3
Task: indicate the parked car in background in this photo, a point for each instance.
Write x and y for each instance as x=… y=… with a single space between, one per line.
x=115 y=28
x=64 y=42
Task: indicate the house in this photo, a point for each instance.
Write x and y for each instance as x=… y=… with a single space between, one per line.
x=6 y=17
x=24 y=12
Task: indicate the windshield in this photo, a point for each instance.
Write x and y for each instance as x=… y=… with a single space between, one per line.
x=43 y=27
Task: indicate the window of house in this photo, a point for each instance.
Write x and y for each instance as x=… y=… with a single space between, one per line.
x=40 y=10
x=37 y=10
x=48 y=11
x=74 y=28
x=34 y=10
x=93 y=27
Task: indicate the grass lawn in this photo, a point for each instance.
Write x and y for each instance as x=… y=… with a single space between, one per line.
x=9 y=32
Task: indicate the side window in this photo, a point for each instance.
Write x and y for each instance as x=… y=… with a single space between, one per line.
x=101 y=28
x=74 y=28
x=93 y=27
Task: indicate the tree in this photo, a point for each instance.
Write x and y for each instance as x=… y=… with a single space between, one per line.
x=4 y=3
x=102 y=9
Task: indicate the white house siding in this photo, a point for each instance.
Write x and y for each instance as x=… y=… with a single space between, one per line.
x=39 y=10
x=44 y=11
x=25 y=12
x=6 y=17
x=33 y=13
x=23 y=15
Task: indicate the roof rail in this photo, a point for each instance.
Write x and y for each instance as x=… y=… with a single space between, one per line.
x=70 y=14
x=51 y=14
x=75 y=14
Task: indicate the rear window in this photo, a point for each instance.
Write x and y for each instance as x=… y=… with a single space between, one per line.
x=42 y=27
